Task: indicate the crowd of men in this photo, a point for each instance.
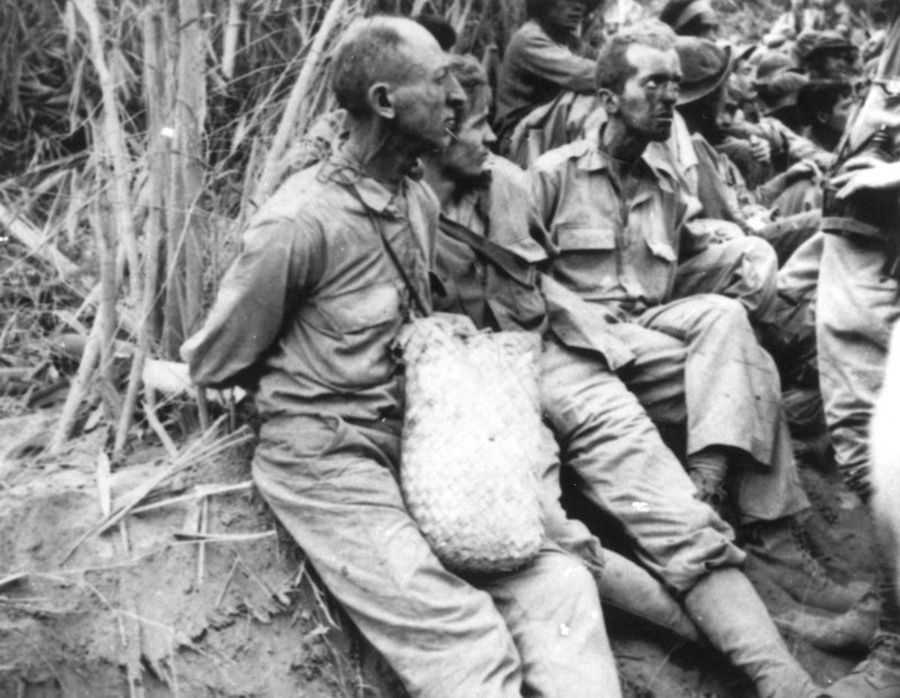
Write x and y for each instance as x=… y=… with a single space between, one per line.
x=703 y=234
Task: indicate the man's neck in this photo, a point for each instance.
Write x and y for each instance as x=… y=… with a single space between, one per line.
x=561 y=35
x=623 y=148
x=446 y=189
x=381 y=154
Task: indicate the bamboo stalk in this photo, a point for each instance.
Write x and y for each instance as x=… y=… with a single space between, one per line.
x=230 y=40
x=294 y=111
x=78 y=389
x=190 y=114
x=153 y=232
x=114 y=138
x=106 y=311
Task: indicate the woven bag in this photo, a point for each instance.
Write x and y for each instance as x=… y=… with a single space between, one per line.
x=471 y=443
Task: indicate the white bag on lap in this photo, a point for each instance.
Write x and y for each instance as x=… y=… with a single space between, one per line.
x=471 y=440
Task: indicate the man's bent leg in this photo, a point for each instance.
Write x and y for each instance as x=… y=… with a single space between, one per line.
x=611 y=443
x=745 y=269
x=622 y=583
x=552 y=610
x=733 y=399
x=332 y=487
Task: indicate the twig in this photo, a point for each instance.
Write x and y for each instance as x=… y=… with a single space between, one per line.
x=201 y=547
x=159 y=429
x=185 y=459
x=221 y=597
x=222 y=537
x=78 y=389
x=201 y=491
x=29 y=236
x=103 y=484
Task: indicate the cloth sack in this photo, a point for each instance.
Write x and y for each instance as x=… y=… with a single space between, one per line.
x=471 y=443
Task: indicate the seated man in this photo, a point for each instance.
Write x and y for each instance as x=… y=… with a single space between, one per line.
x=541 y=62
x=723 y=192
x=615 y=211
x=827 y=105
x=332 y=265
x=487 y=250
x=827 y=55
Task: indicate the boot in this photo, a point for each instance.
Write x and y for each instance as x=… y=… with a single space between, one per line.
x=878 y=676
x=781 y=548
x=632 y=589
x=727 y=609
x=853 y=630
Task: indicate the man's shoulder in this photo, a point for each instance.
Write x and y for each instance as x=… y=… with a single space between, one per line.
x=563 y=157
x=507 y=173
x=303 y=193
x=525 y=37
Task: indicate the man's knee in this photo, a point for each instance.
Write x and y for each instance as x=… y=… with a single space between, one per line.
x=572 y=576
x=723 y=312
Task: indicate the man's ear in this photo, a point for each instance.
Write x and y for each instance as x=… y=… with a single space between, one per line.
x=822 y=117
x=609 y=100
x=381 y=100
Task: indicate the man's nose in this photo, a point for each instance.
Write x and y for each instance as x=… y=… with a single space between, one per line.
x=490 y=138
x=456 y=96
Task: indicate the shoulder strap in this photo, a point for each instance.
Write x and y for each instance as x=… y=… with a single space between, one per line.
x=507 y=261
x=414 y=293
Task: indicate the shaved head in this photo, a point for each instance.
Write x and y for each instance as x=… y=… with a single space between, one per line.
x=373 y=50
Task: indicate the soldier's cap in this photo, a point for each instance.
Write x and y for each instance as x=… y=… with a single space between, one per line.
x=809 y=43
x=771 y=64
x=704 y=67
x=679 y=13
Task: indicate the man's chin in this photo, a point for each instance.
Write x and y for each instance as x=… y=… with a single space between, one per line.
x=662 y=133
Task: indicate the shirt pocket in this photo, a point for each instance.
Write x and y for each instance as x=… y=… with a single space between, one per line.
x=366 y=308
x=573 y=237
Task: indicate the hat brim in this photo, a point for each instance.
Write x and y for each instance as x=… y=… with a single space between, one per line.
x=700 y=90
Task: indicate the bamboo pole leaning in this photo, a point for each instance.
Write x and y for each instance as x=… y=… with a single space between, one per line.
x=114 y=137
x=295 y=111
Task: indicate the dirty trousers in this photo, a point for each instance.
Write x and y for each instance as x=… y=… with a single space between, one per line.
x=536 y=632
x=607 y=438
x=698 y=363
x=856 y=310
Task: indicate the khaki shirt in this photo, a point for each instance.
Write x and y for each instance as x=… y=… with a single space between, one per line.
x=535 y=70
x=508 y=291
x=620 y=253
x=313 y=303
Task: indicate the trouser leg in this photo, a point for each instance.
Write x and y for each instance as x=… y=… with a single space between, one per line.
x=857 y=307
x=333 y=489
x=553 y=613
x=733 y=400
x=727 y=608
x=744 y=269
x=622 y=583
x=610 y=442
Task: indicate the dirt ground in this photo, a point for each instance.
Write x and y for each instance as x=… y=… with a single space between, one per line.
x=144 y=610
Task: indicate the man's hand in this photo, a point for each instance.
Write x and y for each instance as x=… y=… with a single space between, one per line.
x=805 y=169
x=876 y=177
x=760 y=149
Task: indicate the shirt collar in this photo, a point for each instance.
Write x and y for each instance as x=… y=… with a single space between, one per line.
x=374 y=195
x=656 y=157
